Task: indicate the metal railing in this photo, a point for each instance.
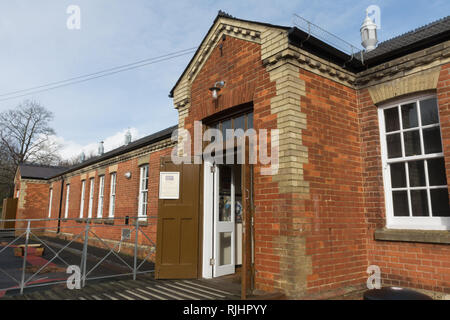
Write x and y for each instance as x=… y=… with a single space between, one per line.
x=92 y=244
x=327 y=37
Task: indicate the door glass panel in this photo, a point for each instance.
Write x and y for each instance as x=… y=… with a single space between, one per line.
x=224 y=193
x=224 y=248
x=238 y=194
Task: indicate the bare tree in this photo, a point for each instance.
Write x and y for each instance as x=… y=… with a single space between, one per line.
x=26 y=136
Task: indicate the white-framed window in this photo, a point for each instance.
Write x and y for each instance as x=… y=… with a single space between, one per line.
x=83 y=193
x=413 y=162
x=112 y=194
x=50 y=203
x=66 y=207
x=91 y=197
x=143 y=191
x=101 y=191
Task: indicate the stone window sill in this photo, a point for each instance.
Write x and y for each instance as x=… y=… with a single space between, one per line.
x=79 y=220
x=403 y=235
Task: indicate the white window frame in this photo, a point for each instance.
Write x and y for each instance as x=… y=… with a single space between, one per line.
x=112 y=194
x=101 y=191
x=91 y=196
x=66 y=207
x=83 y=194
x=143 y=191
x=408 y=222
x=50 y=203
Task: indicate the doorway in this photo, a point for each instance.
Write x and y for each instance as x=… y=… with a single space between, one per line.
x=227 y=195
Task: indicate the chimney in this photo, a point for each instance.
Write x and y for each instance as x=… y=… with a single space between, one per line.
x=128 y=137
x=101 y=148
x=369 y=34
x=82 y=157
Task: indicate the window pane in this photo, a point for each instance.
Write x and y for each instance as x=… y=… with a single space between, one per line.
x=429 y=111
x=391 y=119
x=225 y=125
x=412 y=143
x=439 y=202
x=436 y=172
x=250 y=120
x=416 y=173
x=394 y=145
x=398 y=175
x=400 y=201
x=239 y=123
x=409 y=116
x=432 y=140
x=419 y=203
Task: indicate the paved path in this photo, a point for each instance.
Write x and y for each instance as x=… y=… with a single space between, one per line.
x=144 y=288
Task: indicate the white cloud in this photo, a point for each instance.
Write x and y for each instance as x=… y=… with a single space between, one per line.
x=70 y=149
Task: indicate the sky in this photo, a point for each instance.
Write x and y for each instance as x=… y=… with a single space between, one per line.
x=38 y=48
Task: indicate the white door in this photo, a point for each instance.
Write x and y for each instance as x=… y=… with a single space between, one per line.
x=224 y=220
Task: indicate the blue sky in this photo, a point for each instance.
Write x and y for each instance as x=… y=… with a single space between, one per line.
x=37 y=48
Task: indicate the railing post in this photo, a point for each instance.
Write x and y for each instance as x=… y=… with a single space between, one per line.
x=135 y=249
x=25 y=253
x=84 y=254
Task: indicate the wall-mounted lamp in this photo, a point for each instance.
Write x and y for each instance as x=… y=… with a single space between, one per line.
x=215 y=90
x=128 y=175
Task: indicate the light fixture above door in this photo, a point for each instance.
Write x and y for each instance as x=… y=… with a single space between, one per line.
x=217 y=87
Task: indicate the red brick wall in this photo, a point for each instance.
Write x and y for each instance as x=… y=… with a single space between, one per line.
x=336 y=240
x=36 y=203
x=417 y=265
x=126 y=203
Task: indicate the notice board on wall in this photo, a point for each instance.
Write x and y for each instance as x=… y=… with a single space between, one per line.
x=169 y=185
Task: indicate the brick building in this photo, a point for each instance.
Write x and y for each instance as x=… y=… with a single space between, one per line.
x=364 y=159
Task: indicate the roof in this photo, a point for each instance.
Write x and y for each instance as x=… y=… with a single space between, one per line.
x=419 y=38
x=430 y=30
x=155 y=137
x=36 y=171
x=221 y=14
x=412 y=41
x=41 y=172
